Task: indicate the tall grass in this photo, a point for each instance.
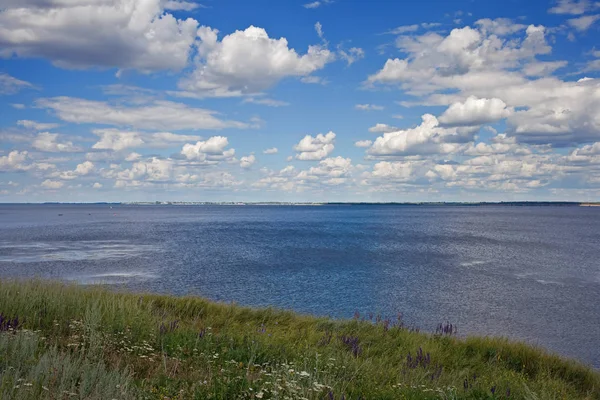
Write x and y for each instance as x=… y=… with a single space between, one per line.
x=91 y=343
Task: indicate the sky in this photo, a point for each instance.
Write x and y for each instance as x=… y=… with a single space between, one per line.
x=329 y=100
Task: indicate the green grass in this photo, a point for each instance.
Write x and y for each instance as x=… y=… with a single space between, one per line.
x=92 y=343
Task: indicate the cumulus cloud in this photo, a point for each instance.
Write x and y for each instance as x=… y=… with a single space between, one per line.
x=156 y=115
x=97 y=185
x=14 y=161
x=168 y=172
x=247 y=62
x=427 y=138
x=113 y=139
x=153 y=170
x=330 y=171
x=52 y=185
x=475 y=63
x=126 y=34
x=247 y=161
x=395 y=171
x=48 y=142
x=436 y=62
x=207 y=151
x=474 y=111
x=83 y=169
x=315 y=148
x=10 y=84
x=272 y=150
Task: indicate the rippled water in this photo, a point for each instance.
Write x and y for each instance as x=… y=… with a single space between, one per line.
x=531 y=273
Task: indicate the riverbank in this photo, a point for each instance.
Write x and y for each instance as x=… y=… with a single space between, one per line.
x=59 y=341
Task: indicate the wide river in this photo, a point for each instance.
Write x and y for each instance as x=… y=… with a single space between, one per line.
x=528 y=273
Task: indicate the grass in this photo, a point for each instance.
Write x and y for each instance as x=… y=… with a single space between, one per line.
x=60 y=341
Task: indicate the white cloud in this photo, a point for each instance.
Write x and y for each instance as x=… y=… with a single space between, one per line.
x=175 y=5
x=316 y=4
x=459 y=60
x=52 y=185
x=332 y=171
x=319 y=30
x=38 y=126
x=126 y=34
x=83 y=169
x=499 y=26
x=413 y=28
x=97 y=185
x=266 y=101
x=247 y=161
x=474 y=111
x=363 y=143
x=315 y=148
x=427 y=138
x=10 y=84
x=314 y=80
x=382 y=128
x=352 y=55
x=404 y=29
x=543 y=68
x=208 y=151
x=166 y=139
x=153 y=170
x=17 y=106
x=168 y=173
x=395 y=171
x=113 y=139
x=583 y=23
x=443 y=70
x=368 y=107
x=48 y=142
x=14 y=161
x=133 y=157
x=574 y=7
x=248 y=62
x=272 y=150
x=157 y=115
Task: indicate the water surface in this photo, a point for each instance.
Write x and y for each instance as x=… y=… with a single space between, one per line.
x=529 y=273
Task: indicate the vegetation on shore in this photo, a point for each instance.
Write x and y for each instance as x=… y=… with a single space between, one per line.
x=66 y=342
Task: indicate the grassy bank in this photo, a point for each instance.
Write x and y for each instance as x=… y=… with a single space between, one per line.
x=68 y=342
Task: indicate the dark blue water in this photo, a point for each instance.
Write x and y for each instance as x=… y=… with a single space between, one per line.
x=530 y=273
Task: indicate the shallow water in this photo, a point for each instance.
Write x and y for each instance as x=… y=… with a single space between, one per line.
x=530 y=273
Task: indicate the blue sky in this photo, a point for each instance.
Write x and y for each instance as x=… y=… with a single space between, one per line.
x=131 y=100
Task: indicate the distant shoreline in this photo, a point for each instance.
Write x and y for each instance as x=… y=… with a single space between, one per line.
x=429 y=204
